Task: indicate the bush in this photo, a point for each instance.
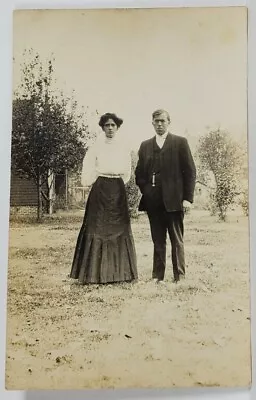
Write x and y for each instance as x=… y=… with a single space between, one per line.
x=132 y=190
x=212 y=206
x=222 y=157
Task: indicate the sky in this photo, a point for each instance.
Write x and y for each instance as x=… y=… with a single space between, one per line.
x=191 y=62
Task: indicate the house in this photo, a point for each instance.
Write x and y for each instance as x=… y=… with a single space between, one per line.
x=24 y=194
x=66 y=192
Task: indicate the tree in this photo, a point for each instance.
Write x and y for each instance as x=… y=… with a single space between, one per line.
x=48 y=133
x=221 y=156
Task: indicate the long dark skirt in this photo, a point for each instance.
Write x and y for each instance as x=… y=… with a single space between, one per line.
x=105 y=250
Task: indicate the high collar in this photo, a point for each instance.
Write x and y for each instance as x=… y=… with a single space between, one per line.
x=161 y=138
x=110 y=140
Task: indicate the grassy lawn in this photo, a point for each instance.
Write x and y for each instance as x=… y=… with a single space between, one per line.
x=65 y=336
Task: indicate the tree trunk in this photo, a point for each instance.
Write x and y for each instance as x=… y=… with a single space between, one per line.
x=39 y=198
x=66 y=189
x=51 y=193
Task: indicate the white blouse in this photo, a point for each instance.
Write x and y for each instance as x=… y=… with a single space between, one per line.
x=106 y=157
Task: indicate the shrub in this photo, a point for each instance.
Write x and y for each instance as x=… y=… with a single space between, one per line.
x=221 y=156
x=132 y=190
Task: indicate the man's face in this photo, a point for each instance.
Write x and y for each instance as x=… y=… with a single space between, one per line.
x=161 y=124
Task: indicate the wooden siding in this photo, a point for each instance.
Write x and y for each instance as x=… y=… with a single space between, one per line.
x=23 y=192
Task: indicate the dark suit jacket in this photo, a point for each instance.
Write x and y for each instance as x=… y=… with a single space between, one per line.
x=177 y=168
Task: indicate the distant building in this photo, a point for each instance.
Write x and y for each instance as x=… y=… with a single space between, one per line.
x=23 y=192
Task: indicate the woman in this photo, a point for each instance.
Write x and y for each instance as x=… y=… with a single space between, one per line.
x=105 y=251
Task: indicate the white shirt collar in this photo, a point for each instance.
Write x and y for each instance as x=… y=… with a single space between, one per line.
x=161 y=138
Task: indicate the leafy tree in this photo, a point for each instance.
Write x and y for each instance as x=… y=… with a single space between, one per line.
x=221 y=157
x=48 y=133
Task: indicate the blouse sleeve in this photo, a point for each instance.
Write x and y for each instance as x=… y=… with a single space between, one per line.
x=89 y=170
x=127 y=168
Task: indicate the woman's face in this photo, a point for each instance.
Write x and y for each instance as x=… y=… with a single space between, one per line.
x=110 y=128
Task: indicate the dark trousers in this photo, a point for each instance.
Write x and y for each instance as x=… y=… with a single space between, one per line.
x=162 y=222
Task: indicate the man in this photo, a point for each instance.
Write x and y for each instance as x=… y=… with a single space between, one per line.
x=166 y=174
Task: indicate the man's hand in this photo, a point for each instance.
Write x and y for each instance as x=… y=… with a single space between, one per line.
x=186 y=206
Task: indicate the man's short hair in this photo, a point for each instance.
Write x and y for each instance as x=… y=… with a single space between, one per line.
x=159 y=112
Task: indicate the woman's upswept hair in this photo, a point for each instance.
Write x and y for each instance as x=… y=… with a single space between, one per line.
x=105 y=117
